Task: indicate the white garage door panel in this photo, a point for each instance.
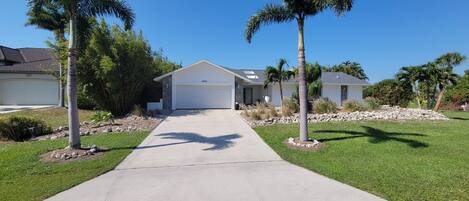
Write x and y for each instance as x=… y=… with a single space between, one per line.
x=194 y=96
x=29 y=92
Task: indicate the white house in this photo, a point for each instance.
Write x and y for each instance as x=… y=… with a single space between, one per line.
x=25 y=77
x=207 y=85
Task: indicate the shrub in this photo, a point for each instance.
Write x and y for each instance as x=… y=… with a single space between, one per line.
x=259 y=111
x=353 y=106
x=289 y=107
x=390 y=92
x=20 y=128
x=321 y=106
x=101 y=116
x=85 y=102
x=372 y=103
x=137 y=110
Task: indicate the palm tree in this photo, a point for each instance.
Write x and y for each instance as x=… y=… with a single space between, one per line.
x=445 y=75
x=449 y=60
x=443 y=78
x=50 y=17
x=74 y=10
x=411 y=74
x=296 y=10
x=277 y=75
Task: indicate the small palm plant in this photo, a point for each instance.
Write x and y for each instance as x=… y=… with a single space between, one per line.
x=296 y=10
x=278 y=74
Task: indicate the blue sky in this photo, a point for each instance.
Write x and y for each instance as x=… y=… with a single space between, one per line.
x=382 y=35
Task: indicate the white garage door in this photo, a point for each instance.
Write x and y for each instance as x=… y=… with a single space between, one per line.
x=29 y=92
x=195 y=96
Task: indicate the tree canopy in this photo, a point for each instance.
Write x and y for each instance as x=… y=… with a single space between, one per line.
x=349 y=67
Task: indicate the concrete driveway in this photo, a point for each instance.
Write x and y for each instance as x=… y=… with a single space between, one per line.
x=209 y=155
x=15 y=108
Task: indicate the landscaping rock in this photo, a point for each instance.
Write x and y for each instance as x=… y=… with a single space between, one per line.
x=125 y=124
x=386 y=113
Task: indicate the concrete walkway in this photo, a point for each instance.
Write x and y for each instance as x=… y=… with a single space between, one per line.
x=209 y=155
x=15 y=108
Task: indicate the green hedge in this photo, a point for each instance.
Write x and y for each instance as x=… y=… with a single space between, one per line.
x=19 y=128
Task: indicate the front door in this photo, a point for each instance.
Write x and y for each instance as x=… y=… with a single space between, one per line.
x=343 y=94
x=247 y=96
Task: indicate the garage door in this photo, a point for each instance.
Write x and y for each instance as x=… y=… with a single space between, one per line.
x=196 y=96
x=29 y=92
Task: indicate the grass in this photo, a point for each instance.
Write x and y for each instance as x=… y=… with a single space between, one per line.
x=54 y=117
x=24 y=177
x=417 y=160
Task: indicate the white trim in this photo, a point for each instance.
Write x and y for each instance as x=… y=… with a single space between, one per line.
x=194 y=64
x=336 y=84
x=204 y=83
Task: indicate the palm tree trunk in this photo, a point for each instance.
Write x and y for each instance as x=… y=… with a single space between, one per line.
x=61 y=39
x=417 y=93
x=302 y=83
x=281 y=94
x=73 y=122
x=438 y=102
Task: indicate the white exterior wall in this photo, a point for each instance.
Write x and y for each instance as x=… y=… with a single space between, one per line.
x=355 y=92
x=274 y=92
x=332 y=92
x=28 y=89
x=199 y=75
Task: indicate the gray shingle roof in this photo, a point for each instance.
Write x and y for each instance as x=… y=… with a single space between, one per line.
x=335 y=78
x=341 y=78
x=30 y=60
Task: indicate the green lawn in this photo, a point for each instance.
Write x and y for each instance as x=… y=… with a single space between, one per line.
x=24 y=177
x=55 y=117
x=418 y=160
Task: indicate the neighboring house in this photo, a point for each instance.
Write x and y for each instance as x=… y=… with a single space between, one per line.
x=26 y=77
x=207 y=85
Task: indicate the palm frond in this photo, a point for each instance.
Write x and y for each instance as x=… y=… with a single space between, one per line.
x=340 y=6
x=118 y=8
x=271 y=13
x=272 y=75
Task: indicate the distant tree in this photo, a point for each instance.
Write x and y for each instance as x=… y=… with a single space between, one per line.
x=278 y=74
x=390 y=92
x=313 y=80
x=459 y=94
x=445 y=76
x=411 y=74
x=296 y=10
x=162 y=64
x=350 y=68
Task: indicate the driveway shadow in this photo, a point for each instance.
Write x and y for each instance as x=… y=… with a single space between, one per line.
x=218 y=142
x=376 y=136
